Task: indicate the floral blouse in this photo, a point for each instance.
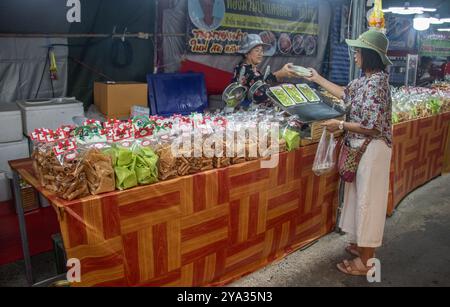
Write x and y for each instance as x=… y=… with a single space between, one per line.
x=370 y=105
x=252 y=75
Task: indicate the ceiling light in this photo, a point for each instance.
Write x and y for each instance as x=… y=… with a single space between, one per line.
x=444 y=30
x=435 y=21
x=408 y=10
x=421 y=23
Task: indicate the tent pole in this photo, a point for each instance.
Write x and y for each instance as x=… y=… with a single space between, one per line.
x=140 y=35
x=155 y=39
x=358 y=15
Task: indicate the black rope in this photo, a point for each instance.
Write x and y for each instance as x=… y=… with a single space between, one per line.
x=121 y=60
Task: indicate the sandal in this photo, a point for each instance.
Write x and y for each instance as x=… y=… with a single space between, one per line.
x=352 y=250
x=353 y=267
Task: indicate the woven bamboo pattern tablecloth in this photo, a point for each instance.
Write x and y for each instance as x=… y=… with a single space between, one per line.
x=204 y=229
x=418 y=153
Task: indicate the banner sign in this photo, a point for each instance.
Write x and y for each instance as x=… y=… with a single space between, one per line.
x=435 y=45
x=400 y=33
x=217 y=26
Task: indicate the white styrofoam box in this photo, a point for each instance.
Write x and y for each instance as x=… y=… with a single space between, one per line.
x=10 y=123
x=12 y=151
x=50 y=113
x=5 y=187
x=43 y=201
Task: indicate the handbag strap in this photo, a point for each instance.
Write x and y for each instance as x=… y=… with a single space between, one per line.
x=363 y=148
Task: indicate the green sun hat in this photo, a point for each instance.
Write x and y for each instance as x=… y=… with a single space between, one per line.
x=373 y=40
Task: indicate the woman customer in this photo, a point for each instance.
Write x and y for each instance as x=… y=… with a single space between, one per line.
x=369 y=117
x=252 y=49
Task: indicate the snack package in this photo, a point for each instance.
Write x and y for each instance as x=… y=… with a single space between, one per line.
x=42 y=154
x=146 y=166
x=289 y=132
x=124 y=161
x=220 y=158
x=291 y=138
x=167 y=167
x=121 y=135
x=70 y=176
x=99 y=169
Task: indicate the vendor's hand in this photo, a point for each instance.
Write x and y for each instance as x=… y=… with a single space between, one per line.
x=286 y=71
x=332 y=125
x=314 y=75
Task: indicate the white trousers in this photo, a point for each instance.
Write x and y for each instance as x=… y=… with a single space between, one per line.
x=365 y=200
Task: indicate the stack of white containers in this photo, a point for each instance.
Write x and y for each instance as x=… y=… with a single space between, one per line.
x=13 y=144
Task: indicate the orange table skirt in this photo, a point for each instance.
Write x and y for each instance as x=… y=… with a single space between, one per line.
x=204 y=229
x=214 y=227
x=419 y=152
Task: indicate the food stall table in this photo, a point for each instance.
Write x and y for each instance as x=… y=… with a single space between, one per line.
x=204 y=229
x=418 y=155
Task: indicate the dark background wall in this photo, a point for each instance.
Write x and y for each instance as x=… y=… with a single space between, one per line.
x=90 y=59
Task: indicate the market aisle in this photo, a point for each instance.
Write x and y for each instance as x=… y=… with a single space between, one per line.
x=416 y=249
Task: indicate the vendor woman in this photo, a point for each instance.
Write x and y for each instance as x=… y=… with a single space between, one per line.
x=252 y=49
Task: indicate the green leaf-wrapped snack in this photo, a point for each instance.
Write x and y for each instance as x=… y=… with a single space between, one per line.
x=292 y=139
x=146 y=166
x=124 y=167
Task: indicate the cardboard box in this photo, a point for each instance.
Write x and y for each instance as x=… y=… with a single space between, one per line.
x=116 y=99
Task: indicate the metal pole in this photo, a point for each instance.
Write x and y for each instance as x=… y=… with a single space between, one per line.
x=155 y=39
x=141 y=35
x=23 y=228
x=358 y=15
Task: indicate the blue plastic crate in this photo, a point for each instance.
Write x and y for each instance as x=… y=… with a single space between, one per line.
x=180 y=93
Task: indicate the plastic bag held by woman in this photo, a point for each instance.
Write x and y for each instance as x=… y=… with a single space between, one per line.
x=325 y=159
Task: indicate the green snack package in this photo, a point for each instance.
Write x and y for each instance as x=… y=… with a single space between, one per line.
x=124 y=167
x=146 y=167
x=292 y=139
x=125 y=178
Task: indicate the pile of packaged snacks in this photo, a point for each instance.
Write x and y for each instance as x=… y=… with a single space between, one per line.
x=97 y=157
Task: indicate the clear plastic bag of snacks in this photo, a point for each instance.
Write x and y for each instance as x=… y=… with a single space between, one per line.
x=70 y=175
x=325 y=159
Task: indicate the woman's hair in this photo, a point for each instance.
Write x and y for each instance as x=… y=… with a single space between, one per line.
x=371 y=61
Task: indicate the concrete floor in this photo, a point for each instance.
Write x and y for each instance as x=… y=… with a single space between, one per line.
x=416 y=251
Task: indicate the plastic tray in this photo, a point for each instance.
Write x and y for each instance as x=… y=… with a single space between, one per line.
x=309 y=112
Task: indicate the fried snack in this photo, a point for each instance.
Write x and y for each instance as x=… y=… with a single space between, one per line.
x=167 y=163
x=99 y=172
x=220 y=159
x=71 y=182
x=282 y=145
x=146 y=166
x=251 y=150
x=182 y=164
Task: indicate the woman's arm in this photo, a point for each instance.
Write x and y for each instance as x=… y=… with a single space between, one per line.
x=333 y=125
x=334 y=89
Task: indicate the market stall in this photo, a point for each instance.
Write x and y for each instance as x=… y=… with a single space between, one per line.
x=207 y=228
x=420 y=140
